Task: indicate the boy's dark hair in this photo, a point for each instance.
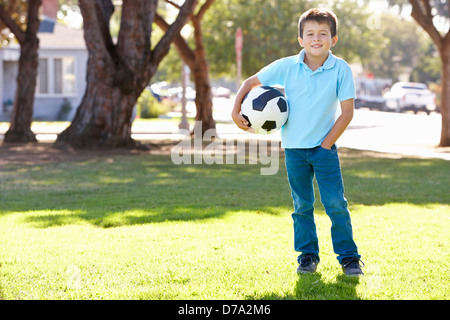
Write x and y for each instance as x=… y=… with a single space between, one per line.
x=320 y=16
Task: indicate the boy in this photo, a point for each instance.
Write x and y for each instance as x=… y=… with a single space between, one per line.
x=315 y=81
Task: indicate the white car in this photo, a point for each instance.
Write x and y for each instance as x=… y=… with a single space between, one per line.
x=410 y=96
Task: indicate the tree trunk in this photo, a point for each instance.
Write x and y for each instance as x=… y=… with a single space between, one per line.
x=103 y=119
x=445 y=98
x=22 y=113
x=203 y=98
x=422 y=12
x=104 y=116
x=117 y=73
x=196 y=60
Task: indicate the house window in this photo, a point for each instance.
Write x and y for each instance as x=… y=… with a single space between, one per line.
x=42 y=79
x=56 y=76
x=64 y=75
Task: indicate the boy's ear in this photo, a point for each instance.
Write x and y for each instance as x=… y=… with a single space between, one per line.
x=334 y=40
x=300 y=41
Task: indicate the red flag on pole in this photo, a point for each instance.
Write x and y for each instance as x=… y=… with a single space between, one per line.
x=239 y=44
x=50 y=8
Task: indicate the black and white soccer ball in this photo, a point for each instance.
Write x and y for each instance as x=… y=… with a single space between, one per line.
x=266 y=109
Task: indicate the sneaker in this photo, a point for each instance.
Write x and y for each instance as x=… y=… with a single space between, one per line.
x=352 y=266
x=308 y=264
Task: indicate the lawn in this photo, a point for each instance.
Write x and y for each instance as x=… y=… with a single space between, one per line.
x=136 y=226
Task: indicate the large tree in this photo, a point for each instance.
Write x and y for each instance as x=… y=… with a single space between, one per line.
x=270 y=31
x=117 y=72
x=196 y=61
x=429 y=14
x=22 y=113
x=399 y=45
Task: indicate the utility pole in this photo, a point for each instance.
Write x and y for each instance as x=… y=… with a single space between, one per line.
x=185 y=72
x=238 y=44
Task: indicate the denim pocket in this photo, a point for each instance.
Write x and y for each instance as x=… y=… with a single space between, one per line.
x=333 y=148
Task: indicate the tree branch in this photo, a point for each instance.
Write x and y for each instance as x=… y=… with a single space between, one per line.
x=104 y=10
x=96 y=30
x=427 y=7
x=173 y=4
x=421 y=12
x=163 y=45
x=33 y=17
x=182 y=46
x=203 y=9
x=12 y=26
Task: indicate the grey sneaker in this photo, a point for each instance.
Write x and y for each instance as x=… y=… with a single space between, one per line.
x=352 y=266
x=308 y=264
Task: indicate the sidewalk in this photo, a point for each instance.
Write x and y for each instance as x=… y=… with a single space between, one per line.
x=406 y=134
x=399 y=133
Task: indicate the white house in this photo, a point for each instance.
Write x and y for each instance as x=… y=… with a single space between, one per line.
x=61 y=77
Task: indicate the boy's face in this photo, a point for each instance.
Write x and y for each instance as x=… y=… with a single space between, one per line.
x=317 y=39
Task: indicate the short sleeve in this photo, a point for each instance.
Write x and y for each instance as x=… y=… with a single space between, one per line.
x=273 y=74
x=346 y=84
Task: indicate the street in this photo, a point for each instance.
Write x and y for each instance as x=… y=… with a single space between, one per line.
x=395 y=133
x=403 y=133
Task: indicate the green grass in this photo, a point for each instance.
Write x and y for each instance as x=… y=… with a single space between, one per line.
x=139 y=227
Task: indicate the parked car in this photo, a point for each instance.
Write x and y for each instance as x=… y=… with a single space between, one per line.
x=410 y=96
x=371 y=102
x=221 y=92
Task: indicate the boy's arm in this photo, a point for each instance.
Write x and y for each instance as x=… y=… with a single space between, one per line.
x=340 y=125
x=246 y=86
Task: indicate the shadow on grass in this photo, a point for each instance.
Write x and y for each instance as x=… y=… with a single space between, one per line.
x=312 y=287
x=371 y=179
x=122 y=190
x=137 y=190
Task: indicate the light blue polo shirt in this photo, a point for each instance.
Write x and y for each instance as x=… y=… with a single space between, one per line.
x=313 y=97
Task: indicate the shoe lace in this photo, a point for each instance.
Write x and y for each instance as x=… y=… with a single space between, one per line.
x=305 y=260
x=352 y=263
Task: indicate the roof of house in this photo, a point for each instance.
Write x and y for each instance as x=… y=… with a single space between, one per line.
x=62 y=37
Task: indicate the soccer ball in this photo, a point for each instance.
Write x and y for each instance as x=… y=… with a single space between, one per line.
x=266 y=109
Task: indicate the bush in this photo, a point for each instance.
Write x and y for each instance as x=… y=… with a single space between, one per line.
x=149 y=107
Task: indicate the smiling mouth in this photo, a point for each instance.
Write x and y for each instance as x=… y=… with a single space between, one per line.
x=317 y=46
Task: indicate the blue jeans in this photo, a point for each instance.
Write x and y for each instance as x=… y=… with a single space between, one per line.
x=302 y=165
